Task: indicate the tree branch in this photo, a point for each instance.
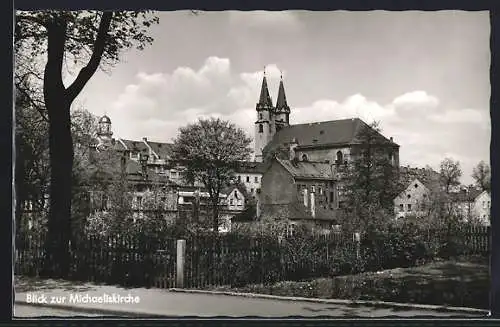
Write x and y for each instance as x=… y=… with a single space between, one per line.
x=31 y=19
x=99 y=45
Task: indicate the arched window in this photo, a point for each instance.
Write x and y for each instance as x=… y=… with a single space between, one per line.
x=304 y=157
x=261 y=128
x=339 y=157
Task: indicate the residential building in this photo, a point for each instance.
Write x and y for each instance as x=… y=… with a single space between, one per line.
x=299 y=192
x=472 y=205
x=414 y=200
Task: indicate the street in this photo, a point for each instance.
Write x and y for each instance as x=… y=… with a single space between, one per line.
x=29 y=311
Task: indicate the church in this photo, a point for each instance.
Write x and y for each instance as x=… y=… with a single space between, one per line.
x=306 y=163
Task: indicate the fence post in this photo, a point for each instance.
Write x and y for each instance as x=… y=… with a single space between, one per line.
x=357 y=239
x=181 y=259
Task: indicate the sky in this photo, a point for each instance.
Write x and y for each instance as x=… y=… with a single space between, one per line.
x=423 y=75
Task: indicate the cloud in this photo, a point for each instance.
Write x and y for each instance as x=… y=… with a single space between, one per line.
x=461 y=116
x=158 y=103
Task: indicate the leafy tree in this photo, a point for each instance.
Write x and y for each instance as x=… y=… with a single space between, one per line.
x=89 y=39
x=450 y=173
x=370 y=180
x=482 y=176
x=210 y=150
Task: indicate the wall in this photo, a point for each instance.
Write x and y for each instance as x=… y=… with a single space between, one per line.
x=235 y=200
x=324 y=154
x=481 y=208
x=417 y=197
x=277 y=186
x=251 y=186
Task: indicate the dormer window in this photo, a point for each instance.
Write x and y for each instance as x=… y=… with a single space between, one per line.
x=304 y=157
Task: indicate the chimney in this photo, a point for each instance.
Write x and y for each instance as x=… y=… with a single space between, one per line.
x=392 y=140
x=313 y=205
x=305 y=197
x=145 y=139
x=292 y=153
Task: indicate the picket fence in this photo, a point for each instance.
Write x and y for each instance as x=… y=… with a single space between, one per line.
x=228 y=260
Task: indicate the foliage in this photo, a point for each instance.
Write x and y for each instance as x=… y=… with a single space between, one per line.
x=482 y=176
x=371 y=181
x=88 y=39
x=450 y=173
x=210 y=150
x=459 y=283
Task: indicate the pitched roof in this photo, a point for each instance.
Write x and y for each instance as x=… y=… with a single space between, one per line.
x=428 y=177
x=281 y=103
x=164 y=150
x=467 y=195
x=265 y=99
x=307 y=169
x=328 y=133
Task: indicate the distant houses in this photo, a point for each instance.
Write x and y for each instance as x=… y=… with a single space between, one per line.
x=414 y=200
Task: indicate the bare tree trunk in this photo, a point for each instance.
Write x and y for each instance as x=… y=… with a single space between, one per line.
x=56 y=263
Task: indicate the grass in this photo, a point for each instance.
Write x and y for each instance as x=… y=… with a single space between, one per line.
x=463 y=282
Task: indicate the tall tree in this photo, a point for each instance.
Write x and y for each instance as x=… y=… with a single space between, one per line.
x=450 y=173
x=370 y=180
x=482 y=176
x=88 y=39
x=210 y=150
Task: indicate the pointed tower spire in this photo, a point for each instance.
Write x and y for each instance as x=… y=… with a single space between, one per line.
x=281 y=104
x=265 y=99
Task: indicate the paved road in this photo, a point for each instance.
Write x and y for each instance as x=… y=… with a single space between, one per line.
x=28 y=311
x=171 y=304
x=155 y=302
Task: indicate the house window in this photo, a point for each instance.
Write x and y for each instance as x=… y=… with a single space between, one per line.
x=313 y=189
x=239 y=178
x=409 y=196
x=401 y=208
x=320 y=189
x=331 y=196
x=260 y=116
x=231 y=202
x=261 y=128
x=256 y=179
x=409 y=207
x=251 y=190
x=248 y=179
x=139 y=201
x=424 y=195
x=416 y=185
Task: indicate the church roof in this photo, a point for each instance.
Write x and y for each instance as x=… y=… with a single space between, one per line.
x=281 y=103
x=105 y=119
x=328 y=133
x=265 y=99
x=307 y=169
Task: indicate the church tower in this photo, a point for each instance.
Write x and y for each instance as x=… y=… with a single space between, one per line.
x=263 y=126
x=282 y=110
x=104 y=133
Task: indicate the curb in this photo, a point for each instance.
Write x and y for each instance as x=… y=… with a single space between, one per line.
x=379 y=304
x=97 y=311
